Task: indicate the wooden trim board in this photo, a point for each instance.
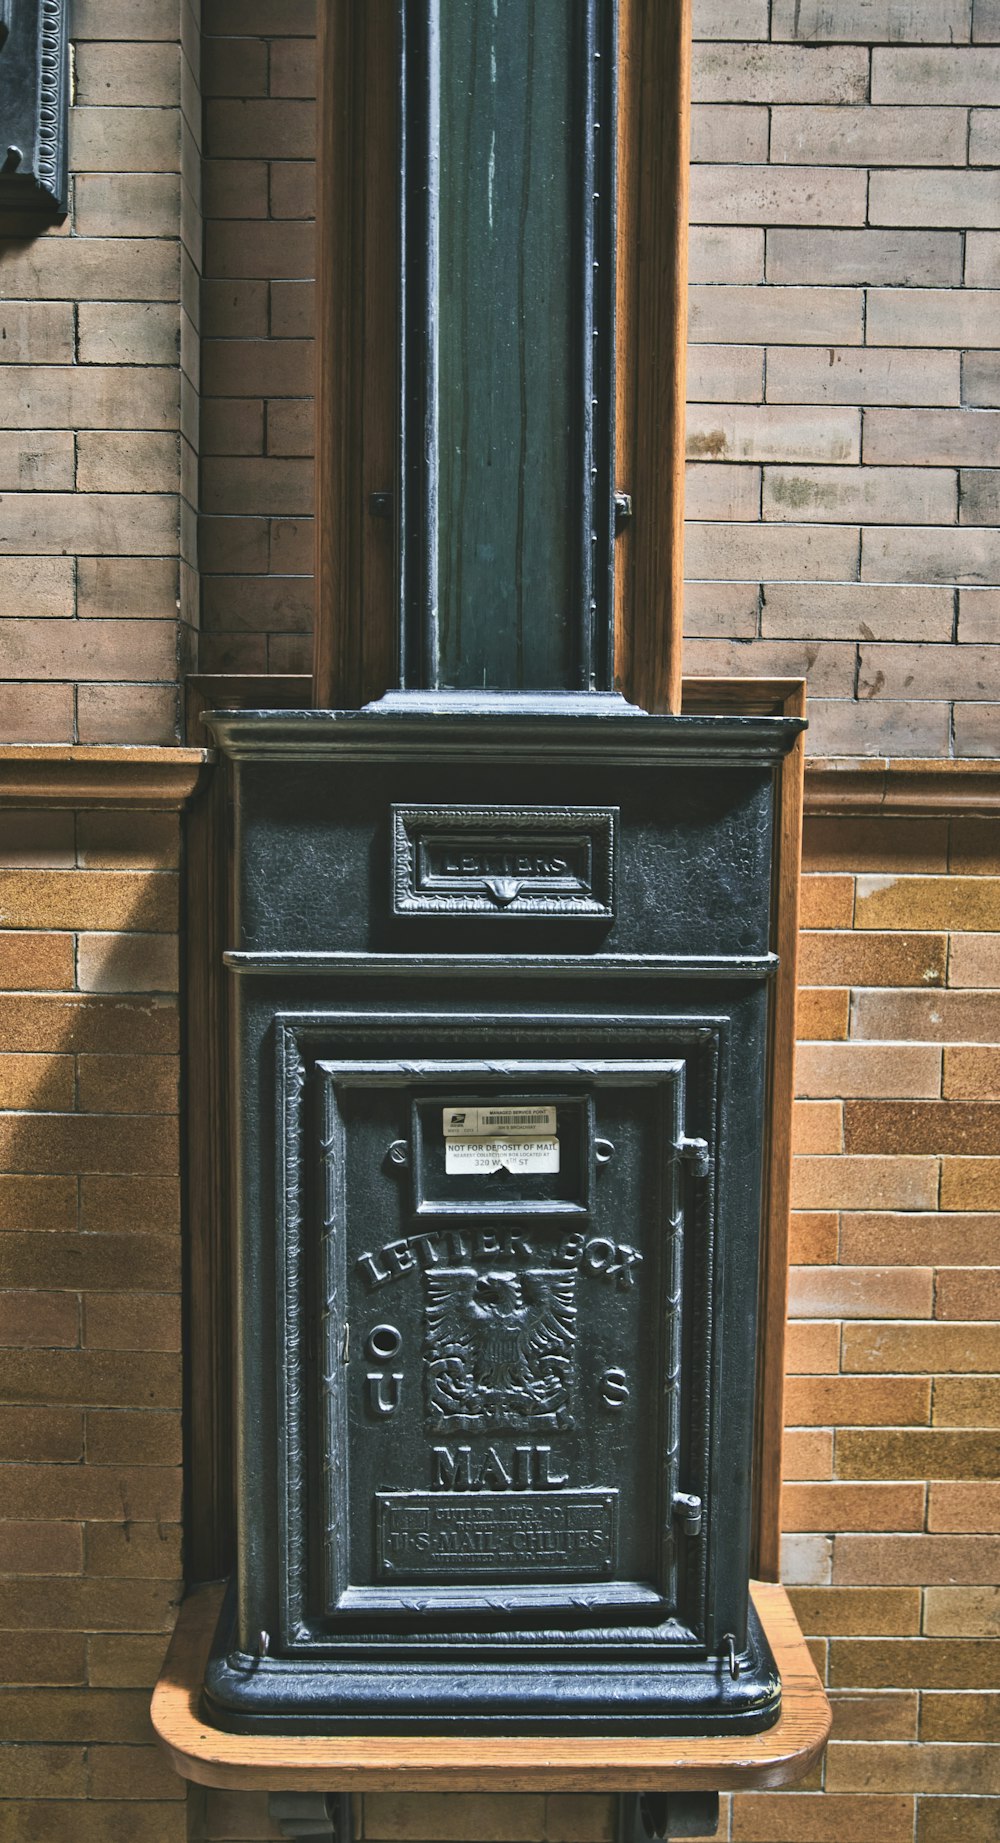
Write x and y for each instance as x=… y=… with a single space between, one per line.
x=772 y=1314
x=772 y=697
x=47 y=774
x=654 y=129
x=484 y=1763
x=205 y=1174
x=915 y=789
x=354 y=631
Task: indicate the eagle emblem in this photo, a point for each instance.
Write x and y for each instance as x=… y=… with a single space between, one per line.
x=500 y=1348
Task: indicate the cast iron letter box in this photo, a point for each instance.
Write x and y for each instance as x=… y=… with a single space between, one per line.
x=501 y=966
x=502 y=1090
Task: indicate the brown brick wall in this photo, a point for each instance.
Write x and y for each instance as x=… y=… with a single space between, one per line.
x=843 y=490
x=90 y=1370
x=97 y=541
x=843 y=496
x=893 y=1407
x=845 y=389
x=257 y=412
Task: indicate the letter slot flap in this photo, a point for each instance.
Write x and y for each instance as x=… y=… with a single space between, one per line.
x=545 y=862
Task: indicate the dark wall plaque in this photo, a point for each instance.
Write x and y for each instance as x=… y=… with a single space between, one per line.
x=34 y=88
x=504 y=860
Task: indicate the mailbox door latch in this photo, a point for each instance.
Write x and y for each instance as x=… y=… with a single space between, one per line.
x=689 y=1511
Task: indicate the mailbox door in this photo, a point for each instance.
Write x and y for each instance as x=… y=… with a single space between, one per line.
x=493 y=1265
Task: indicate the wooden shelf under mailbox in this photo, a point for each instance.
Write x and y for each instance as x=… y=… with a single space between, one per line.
x=480 y=1763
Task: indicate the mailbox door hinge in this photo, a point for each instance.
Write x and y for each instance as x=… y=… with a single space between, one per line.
x=689 y=1511
x=697 y=1154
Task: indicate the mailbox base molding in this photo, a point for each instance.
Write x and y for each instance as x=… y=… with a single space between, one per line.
x=450 y=1762
x=547 y=1696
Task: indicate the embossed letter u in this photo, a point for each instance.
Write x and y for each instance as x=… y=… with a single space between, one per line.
x=379 y=1401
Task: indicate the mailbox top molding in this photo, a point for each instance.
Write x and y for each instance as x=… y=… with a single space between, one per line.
x=561 y=727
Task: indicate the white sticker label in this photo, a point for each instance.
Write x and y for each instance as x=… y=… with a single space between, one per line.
x=486 y=1155
x=486 y=1122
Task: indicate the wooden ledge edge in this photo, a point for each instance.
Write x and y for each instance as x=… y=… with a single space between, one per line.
x=917 y=789
x=73 y=774
x=481 y=1763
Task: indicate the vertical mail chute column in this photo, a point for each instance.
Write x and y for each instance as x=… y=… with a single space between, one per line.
x=502 y=954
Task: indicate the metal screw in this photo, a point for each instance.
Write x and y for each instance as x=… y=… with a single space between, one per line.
x=623 y=511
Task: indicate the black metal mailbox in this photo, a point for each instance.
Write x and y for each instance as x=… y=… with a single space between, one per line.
x=34 y=97
x=502 y=983
x=501 y=964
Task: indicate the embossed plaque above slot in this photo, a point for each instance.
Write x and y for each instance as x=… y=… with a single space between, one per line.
x=504 y=861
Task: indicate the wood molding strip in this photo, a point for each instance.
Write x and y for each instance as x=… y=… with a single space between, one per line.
x=854 y=785
x=903 y=788
x=357 y=289
x=772 y=697
x=653 y=185
x=45 y=774
x=485 y=1763
x=208 y=1339
x=765 y=1555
